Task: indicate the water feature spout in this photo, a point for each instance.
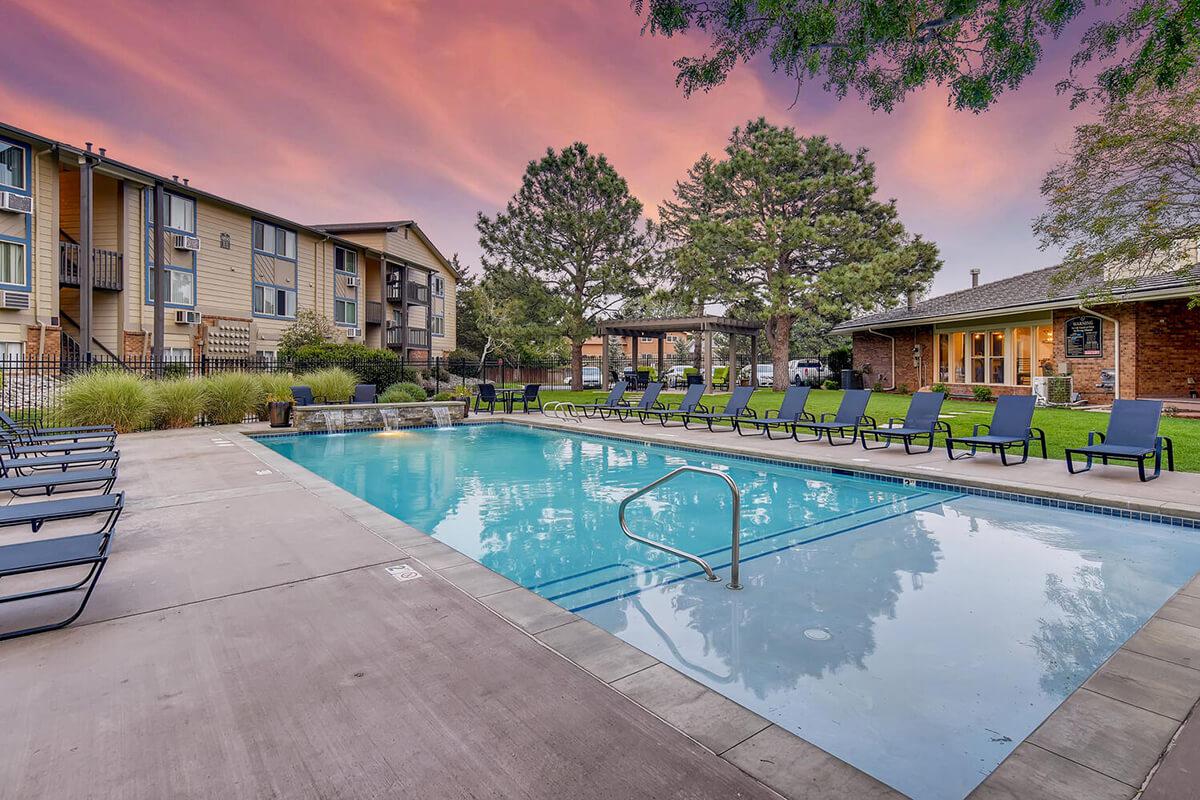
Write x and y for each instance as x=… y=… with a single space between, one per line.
x=441 y=416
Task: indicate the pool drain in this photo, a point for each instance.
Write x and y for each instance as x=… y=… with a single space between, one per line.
x=817 y=634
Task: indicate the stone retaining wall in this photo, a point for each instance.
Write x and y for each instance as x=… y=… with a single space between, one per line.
x=371 y=415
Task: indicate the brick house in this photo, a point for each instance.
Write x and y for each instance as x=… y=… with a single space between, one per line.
x=1010 y=333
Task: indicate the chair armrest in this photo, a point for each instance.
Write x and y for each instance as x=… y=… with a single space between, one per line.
x=892 y=420
x=980 y=425
x=702 y=409
x=807 y=416
x=1037 y=433
x=749 y=412
x=868 y=420
x=771 y=413
x=827 y=414
x=1093 y=435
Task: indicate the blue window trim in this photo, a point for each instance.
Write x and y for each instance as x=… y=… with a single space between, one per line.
x=149 y=249
x=27 y=241
x=344 y=298
x=441 y=316
x=255 y=283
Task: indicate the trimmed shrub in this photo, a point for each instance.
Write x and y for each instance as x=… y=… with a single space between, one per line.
x=277 y=386
x=230 y=397
x=107 y=397
x=940 y=387
x=380 y=367
x=982 y=393
x=403 y=393
x=332 y=385
x=177 y=402
x=830 y=383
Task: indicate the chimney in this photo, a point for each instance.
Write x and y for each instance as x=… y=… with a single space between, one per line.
x=175 y=178
x=912 y=299
x=974 y=277
x=103 y=152
x=185 y=181
x=89 y=146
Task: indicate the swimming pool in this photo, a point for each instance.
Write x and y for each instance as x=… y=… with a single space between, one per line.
x=919 y=634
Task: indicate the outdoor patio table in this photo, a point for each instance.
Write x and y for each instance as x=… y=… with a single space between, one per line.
x=507 y=396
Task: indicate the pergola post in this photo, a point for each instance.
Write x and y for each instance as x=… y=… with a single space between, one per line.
x=733 y=365
x=662 y=338
x=706 y=371
x=635 y=360
x=603 y=360
x=754 y=356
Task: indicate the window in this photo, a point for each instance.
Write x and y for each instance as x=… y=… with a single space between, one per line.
x=943 y=358
x=978 y=357
x=1023 y=352
x=1045 y=349
x=345 y=312
x=437 y=326
x=12 y=351
x=345 y=260
x=12 y=166
x=181 y=212
x=275 y=241
x=437 y=311
x=181 y=285
x=12 y=263
x=996 y=357
x=182 y=355
x=275 y=302
x=267 y=357
x=439 y=286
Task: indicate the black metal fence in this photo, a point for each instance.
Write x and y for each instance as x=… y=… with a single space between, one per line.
x=33 y=387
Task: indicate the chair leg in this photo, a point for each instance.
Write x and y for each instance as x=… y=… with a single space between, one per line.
x=94 y=574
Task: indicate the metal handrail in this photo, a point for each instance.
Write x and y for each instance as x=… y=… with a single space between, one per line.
x=697 y=560
x=562 y=409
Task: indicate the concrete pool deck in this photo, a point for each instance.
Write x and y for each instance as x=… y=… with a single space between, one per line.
x=247 y=640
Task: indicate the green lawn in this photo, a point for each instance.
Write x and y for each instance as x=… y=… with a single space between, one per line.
x=1063 y=427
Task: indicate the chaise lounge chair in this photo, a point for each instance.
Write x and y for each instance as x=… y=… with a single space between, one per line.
x=28 y=465
x=851 y=415
x=613 y=401
x=1132 y=436
x=690 y=404
x=648 y=402
x=90 y=550
x=920 y=421
x=1010 y=427
x=32 y=435
x=16 y=448
x=74 y=480
x=790 y=411
x=735 y=411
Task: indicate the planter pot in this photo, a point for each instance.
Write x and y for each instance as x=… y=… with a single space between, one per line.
x=466 y=408
x=280 y=413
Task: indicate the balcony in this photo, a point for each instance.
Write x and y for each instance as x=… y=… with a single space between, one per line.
x=417 y=337
x=418 y=293
x=374 y=312
x=395 y=291
x=108 y=268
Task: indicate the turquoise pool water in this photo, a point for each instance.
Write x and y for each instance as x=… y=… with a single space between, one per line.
x=919 y=635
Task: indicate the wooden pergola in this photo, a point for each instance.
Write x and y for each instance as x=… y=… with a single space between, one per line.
x=658 y=328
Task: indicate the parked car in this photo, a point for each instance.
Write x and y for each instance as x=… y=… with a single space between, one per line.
x=766 y=374
x=806 y=370
x=591 y=378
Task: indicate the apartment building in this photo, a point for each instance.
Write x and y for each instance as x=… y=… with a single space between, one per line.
x=235 y=275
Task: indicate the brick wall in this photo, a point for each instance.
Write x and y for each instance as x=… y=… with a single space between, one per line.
x=1168 y=349
x=876 y=351
x=134 y=344
x=33 y=342
x=1086 y=371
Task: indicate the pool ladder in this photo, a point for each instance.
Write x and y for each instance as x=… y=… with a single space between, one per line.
x=697 y=560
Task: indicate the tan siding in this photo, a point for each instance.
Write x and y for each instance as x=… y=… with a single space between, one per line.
x=372 y=239
x=68 y=219
x=137 y=318
x=106 y=213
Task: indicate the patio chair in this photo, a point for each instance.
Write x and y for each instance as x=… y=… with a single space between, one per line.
x=530 y=396
x=364 y=393
x=13 y=467
x=690 y=404
x=1132 y=436
x=38 y=514
x=614 y=400
x=920 y=421
x=303 y=396
x=790 y=411
x=32 y=434
x=16 y=448
x=486 y=394
x=735 y=410
x=721 y=378
x=76 y=480
x=648 y=402
x=694 y=377
x=1010 y=427
x=90 y=550
x=850 y=416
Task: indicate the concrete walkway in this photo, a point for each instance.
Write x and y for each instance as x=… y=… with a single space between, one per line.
x=246 y=640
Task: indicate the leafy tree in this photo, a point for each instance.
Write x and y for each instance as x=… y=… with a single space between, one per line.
x=503 y=316
x=885 y=49
x=796 y=232
x=310 y=327
x=1125 y=203
x=573 y=229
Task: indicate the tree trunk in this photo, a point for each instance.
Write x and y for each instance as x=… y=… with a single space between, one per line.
x=577 y=366
x=780 y=329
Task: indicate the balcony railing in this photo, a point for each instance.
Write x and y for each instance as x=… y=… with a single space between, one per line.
x=395 y=291
x=417 y=337
x=374 y=312
x=418 y=293
x=107 y=267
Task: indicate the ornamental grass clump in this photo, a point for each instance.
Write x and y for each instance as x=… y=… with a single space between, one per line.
x=107 y=397
x=229 y=397
x=332 y=385
x=177 y=402
x=403 y=393
x=277 y=386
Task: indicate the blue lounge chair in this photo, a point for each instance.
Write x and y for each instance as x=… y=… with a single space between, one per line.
x=648 y=402
x=530 y=396
x=29 y=465
x=614 y=400
x=74 y=480
x=850 y=416
x=303 y=396
x=735 y=410
x=790 y=411
x=16 y=448
x=1132 y=436
x=920 y=422
x=364 y=393
x=1010 y=427
x=89 y=550
x=33 y=435
x=486 y=395
x=690 y=404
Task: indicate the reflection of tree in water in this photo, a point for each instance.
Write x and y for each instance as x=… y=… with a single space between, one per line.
x=842 y=584
x=1095 y=621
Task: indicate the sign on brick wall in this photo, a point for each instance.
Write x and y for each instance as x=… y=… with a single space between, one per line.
x=1083 y=337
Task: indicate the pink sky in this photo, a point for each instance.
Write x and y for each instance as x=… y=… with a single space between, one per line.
x=384 y=109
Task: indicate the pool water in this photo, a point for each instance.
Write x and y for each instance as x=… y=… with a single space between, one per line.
x=919 y=635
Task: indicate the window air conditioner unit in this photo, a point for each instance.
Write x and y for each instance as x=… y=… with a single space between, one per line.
x=352 y=281
x=186 y=242
x=14 y=300
x=353 y=333
x=17 y=203
x=185 y=317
